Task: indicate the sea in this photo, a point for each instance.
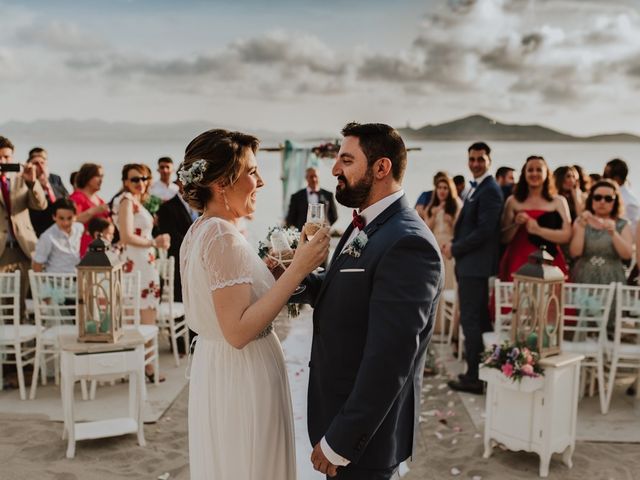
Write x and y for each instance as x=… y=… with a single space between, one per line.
x=429 y=157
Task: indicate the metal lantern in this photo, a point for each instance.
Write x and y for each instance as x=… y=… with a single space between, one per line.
x=538 y=304
x=99 y=303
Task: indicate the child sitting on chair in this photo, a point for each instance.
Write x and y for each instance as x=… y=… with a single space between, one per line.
x=58 y=248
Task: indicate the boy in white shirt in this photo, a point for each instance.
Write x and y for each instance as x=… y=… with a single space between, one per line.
x=58 y=248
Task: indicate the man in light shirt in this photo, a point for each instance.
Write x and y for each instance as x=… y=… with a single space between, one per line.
x=165 y=189
x=617 y=170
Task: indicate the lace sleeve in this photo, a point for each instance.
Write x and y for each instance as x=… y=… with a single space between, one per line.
x=226 y=256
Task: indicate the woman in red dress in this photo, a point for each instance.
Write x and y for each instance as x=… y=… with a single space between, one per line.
x=88 y=182
x=533 y=217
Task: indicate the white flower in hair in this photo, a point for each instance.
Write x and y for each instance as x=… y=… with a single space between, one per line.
x=194 y=173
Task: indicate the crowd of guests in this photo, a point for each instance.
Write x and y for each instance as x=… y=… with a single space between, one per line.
x=489 y=227
x=48 y=229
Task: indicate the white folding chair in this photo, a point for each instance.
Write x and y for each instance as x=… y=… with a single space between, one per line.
x=624 y=350
x=446 y=315
x=503 y=300
x=54 y=304
x=171 y=313
x=586 y=313
x=16 y=340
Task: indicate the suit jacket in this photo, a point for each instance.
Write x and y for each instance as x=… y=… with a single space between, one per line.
x=22 y=198
x=476 y=237
x=42 y=219
x=371 y=330
x=174 y=219
x=298 y=205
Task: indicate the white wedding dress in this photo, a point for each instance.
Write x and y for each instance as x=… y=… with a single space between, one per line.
x=240 y=416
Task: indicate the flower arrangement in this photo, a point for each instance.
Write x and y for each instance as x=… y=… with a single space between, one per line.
x=514 y=361
x=356 y=246
x=277 y=249
x=152 y=204
x=326 y=150
x=194 y=173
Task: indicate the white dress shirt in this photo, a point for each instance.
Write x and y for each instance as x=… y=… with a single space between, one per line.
x=163 y=191
x=369 y=214
x=631 y=207
x=58 y=251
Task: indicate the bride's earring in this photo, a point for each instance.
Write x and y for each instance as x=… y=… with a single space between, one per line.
x=226 y=203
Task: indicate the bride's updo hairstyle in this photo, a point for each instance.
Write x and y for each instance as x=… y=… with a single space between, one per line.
x=215 y=155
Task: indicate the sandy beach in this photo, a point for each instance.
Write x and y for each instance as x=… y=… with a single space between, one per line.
x=449 y=445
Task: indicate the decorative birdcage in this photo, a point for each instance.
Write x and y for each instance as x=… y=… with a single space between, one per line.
x=99 y=295
x=538 y=304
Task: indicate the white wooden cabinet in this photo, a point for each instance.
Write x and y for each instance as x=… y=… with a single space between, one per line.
x=536 y=415
x=91 y=360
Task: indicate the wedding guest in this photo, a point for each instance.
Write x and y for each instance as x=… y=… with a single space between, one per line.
x=534 y=217
x=505 y=180
x=72 y=180
x=135 y=224
x=425 y=197
x=584 y=179
x=165 y=189
x=299 y=203
x=58 y=248
x=101 y=227
x=601 y=240
x=475 y=245
x=462 y=187
x=593 y=178
x=53 y=188
x=88 y=183
x=567 y=183
x=618 y=170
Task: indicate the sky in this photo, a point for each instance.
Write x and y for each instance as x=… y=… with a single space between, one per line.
x=310 y=65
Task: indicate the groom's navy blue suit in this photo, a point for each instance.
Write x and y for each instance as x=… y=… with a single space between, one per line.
x=371 y=329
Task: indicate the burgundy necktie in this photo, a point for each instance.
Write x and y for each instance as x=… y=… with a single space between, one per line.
x=358 y=221
x=50 y=194
x=7 y=199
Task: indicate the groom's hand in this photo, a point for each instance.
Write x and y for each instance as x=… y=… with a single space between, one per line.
x=321 y=463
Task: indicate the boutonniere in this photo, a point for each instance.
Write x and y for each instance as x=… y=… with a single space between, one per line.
x=357 y=245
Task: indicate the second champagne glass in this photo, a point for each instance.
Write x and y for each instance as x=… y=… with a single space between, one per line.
x=315 y=219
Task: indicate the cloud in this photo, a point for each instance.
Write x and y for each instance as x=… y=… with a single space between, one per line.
x=59 y=36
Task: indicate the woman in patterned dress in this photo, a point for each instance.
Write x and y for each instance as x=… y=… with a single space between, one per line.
x=135 y=223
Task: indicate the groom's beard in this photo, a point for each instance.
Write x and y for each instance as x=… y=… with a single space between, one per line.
x=353 y=196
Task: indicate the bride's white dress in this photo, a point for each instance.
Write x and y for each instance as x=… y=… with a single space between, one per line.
x=240 y=416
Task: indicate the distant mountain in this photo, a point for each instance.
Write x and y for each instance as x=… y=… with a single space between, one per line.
x=481 y=127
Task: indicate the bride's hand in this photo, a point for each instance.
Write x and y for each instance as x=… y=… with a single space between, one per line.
x=310 y=254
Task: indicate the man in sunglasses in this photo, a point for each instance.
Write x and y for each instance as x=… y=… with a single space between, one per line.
x=618 y=170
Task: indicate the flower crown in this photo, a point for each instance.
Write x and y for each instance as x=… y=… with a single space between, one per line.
x=194 y=173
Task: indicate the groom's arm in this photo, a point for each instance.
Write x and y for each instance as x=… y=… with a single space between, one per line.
x=405 y=289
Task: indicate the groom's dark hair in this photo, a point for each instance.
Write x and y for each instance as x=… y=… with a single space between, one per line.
x=378 y=140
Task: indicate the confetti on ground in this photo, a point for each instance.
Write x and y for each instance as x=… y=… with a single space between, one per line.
x=476 y=477
x=455 y=471
x=438 y=435
x=442 y=386
x=454 y=441
x=457 y=429
x=451 y=404
x=450 y=392
x=164 y=476
x=477 y=435
x=430 y=413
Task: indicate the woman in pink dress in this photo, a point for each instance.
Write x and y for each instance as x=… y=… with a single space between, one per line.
x=88 y=182
x=534 y=217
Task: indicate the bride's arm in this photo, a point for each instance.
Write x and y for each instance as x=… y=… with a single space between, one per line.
x=240 y=320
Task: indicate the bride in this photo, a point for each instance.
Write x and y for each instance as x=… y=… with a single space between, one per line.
x=240 y=417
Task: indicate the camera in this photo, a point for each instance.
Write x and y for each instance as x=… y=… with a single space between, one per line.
x=9 y=167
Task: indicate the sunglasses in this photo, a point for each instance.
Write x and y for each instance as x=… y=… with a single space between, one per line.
x=606 y=198
x=138 y=179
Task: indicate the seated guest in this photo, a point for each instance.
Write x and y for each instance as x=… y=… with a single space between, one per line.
x=533 y=216
x=164 y=188
x=88 y=182
x=101 y=227
x=568 y=185
x=601 y=239
x=425 y=197
x=53 y=188
x=299 y=202
x=58 y=248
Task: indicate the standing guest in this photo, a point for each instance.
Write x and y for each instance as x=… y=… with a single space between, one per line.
x=20 y=191
x=567 y=180
x=440 y=216
x=72 y=180
x=299 y=203
x=617 y=170
x=164 y=188
x=505 y=180
x=584 y=179
x=58 y=248
x=53 y=188
x=475 y=247
x=88 y=182
x=533 y=217
x=425 y=197
x=601 y=240
x=593 y=178
x=135 y=224
x=462 y=187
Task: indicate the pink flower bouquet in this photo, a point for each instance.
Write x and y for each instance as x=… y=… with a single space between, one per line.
x=514 y=361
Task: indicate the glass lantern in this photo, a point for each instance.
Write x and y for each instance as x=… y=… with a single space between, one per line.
x=538 y=304
x=99 y=303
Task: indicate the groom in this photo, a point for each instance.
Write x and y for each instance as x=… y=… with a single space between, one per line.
x=373 y=316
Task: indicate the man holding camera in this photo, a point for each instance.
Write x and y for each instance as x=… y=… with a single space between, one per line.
x=20 y=192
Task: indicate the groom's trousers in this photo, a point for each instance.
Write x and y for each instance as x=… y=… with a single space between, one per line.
x=353 y=472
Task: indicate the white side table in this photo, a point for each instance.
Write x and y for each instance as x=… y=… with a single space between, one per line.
x=90 y=360
x=537 y=415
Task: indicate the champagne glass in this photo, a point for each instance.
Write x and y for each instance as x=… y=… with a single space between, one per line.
x=315 y=219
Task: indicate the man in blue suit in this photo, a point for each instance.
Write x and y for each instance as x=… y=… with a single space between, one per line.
x=475 y=246
x=374 y=315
